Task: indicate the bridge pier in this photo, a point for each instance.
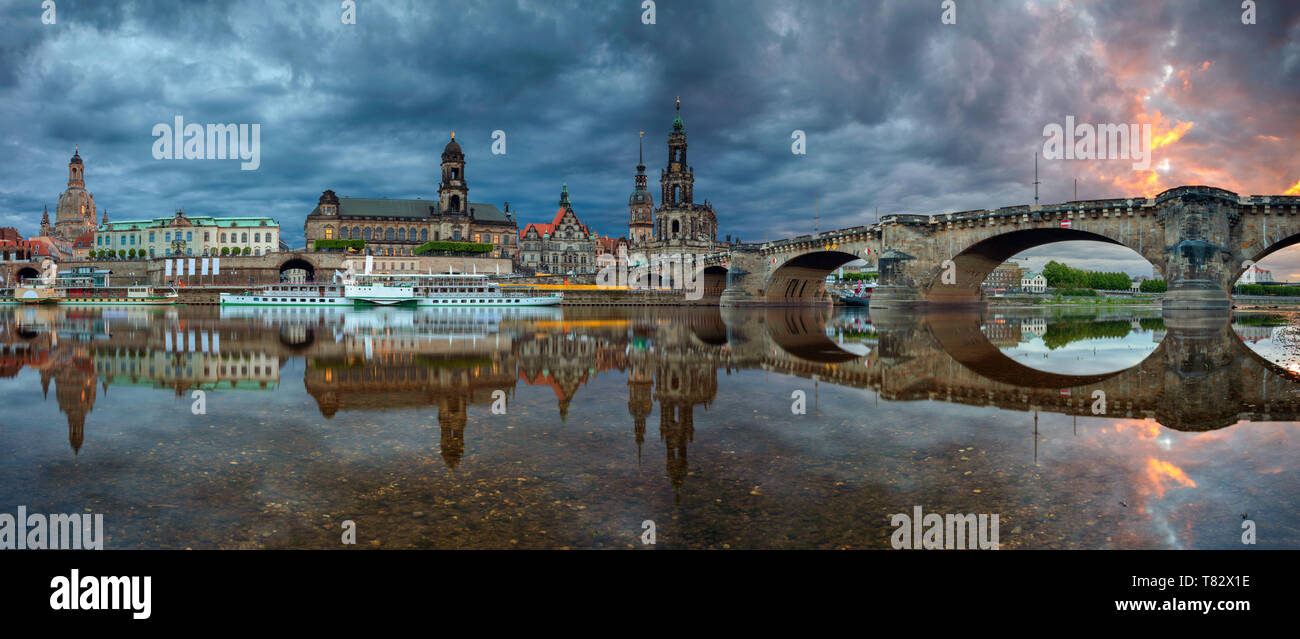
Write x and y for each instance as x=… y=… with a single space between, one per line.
x=1196 y=295
x=896 y=297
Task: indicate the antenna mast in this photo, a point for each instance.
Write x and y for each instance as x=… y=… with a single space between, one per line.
x=1035 y=178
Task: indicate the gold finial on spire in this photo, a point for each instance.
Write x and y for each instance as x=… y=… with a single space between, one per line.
x=453 y=135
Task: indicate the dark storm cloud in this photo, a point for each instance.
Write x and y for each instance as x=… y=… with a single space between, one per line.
x=901 y=112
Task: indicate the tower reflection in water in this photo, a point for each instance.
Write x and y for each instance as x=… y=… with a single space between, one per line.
x=1197 y=375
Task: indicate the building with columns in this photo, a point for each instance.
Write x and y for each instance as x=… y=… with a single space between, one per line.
x=397 y=227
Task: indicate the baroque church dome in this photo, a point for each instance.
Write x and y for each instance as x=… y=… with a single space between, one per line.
x=75 y=212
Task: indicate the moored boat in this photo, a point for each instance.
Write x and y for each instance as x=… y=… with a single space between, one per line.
x=312 y=294
x=30 y=292
x=118 y=296
x=439 y=289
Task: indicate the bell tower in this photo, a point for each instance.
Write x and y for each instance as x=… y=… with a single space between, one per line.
x=453 y=193
x=76 y=170
x=677 y=180
x=641 y=224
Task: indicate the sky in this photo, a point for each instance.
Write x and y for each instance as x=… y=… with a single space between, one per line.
x=900 y=113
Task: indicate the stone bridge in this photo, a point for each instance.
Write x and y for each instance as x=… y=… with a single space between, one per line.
x=1198 y=238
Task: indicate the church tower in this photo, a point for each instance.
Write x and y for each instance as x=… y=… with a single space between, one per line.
x=453 y=194
x=677 y=181
x=680 y=223
x=46 y=229
x=641 y=225
x=75 y=212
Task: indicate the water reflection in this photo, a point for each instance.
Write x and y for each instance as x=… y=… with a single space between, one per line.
x=1194 y=373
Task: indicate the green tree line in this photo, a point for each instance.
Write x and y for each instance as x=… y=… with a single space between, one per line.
x=453 y=248
x=1061 y=276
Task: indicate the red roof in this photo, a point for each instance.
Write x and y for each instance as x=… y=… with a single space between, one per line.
x=545 y=229
x=542 y=229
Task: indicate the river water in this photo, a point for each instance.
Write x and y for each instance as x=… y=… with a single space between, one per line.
x=200 y=427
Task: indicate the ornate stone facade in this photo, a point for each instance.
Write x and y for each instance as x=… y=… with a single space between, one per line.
x=565 y=246
x=680 y=224
x=398 y=227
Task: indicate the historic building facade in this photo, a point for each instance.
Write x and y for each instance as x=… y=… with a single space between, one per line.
x=183 y=234
x=74 y=215
x=680 y=224
x=563 y=246
x=398 y=227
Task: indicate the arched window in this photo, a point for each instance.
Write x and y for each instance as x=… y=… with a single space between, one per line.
x=401 y=235
x=367 y=232
x=389 y=234
x=424 y=235
x=356 y=233
x=329 y=233
x=343 y=233
x=455 y=202
x=676 y=228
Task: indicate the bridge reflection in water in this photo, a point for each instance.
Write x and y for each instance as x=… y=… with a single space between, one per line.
x=1200 y=377
x=590 y=394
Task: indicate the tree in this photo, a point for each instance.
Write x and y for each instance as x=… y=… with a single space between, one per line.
x=1153 y=286
x=248 y=250
x=225 y=250
x=131 y=254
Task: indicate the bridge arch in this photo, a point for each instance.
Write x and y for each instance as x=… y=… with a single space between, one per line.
x=715 y=280
x=27 y=273
x=1256 y=250
x=961 y=338
x=802 y=279
x=298 y=264
x=974 y=263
